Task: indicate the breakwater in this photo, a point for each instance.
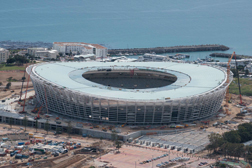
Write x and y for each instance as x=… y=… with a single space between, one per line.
x=224 y=55
x=175 y=49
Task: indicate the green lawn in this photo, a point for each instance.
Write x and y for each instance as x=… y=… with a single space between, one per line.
x=246 y=86
x=11 y=68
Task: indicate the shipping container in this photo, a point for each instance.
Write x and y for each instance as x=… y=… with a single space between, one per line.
x=21 y=143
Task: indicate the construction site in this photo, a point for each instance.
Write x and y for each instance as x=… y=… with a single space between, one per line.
x=35 y=136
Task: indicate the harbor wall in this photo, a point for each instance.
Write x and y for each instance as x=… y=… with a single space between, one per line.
x=224 y=55
x=175 y=49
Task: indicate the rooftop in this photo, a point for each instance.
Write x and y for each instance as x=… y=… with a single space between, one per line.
x=86 y=45
x=192 y=79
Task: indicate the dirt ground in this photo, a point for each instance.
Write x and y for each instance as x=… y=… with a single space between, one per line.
x=131 y=156
x=16 y=86
x=17 y=75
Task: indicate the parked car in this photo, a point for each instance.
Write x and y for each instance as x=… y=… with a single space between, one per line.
x=55 y=154
x=64 y=151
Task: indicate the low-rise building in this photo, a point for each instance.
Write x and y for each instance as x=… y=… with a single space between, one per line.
x=47 y=54
x=80 y=48
x=22 y=52
x=248 y=67
x=32 y=51
x=241 y=62
x=4 y=54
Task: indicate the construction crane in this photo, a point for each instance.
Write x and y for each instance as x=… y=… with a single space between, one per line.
x=241 y=103
x=23 y=79
x=227 y=83
x=25 y=94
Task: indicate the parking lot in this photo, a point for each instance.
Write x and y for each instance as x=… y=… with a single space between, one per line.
x=133 y=156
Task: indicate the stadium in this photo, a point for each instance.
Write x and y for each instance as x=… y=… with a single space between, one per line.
x=134 y=93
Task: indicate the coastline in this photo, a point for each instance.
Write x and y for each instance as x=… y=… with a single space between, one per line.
x=174 y=49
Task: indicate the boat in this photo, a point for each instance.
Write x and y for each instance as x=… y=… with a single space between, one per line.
x=152 y=57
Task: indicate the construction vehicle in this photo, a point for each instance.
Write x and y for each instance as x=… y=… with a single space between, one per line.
x=205 y=122
x=123 y=125
x=57 y=118
x=111 y=127
x=203 y=126
x=38 y=117
x=179 y=126
x=104 y=129
x=48 y=115
x=35 y=109
x=96 y=126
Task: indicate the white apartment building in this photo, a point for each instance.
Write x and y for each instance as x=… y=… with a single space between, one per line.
x=4 y=55
x=22 y=52
x=47 y=54
x=32 y=51
x=80 y=48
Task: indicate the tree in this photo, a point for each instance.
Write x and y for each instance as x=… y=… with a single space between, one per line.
x=216 y=140
x=246 y=72
x=9 y=79
x=25 y=121
x=234 y=72
x=244 y=134
x=239 y=150
x=248 y=152
x=224 y=149
x=23 y=78
x=21 y=59
x=232 y=137
x=69 y=128
x=47 y=126
x=8 y=85
x=10 y=60
x=36 y=125
x=11 y=121
x=118 y=144
x=114 y=136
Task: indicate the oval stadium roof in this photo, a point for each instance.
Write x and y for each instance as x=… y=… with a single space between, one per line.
x=192 y=79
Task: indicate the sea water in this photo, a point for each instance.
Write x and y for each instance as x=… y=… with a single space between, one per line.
x=131 y=23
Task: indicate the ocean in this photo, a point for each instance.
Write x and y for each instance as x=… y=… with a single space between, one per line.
x=131 y=23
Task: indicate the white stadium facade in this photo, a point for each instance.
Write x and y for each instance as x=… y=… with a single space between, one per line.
x=135 y=93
